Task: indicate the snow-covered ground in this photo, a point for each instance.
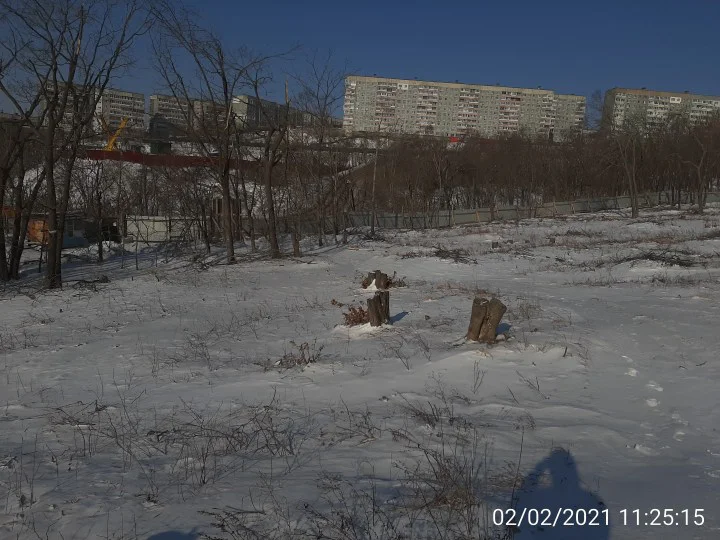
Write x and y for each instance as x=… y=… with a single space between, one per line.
x=181 y=396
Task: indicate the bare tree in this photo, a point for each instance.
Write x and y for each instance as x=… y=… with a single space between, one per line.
x=271 y=128
x=699 y=151
x=320 y=94
x=629 y=145
x=65 y=52
x=207 y=94
x=12 y=146
x=95 y=187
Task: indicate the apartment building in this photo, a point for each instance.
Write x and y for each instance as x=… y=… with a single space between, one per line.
x=375 y=104
x=111 y=108
x=254 y=112
x=173 y=112
x=116 y=105
x=170 y=115
x=651 y=108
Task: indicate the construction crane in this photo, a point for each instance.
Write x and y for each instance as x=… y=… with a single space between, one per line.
x=112 y=136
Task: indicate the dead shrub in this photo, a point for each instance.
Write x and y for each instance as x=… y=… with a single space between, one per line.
x=396 y=281
x=356 y=316
x=455 y=255
x=301 y=355
x=413 y=255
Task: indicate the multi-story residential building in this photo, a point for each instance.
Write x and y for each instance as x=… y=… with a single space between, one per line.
x=111 y=108
x=170 y=115
x=258 y=113
x=176 y=116
x=649 y=109
x=173 y=111
x=375 y=104
x=116 y=105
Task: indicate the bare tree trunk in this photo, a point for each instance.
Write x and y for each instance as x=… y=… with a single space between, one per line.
x=227 y=215
x=99 y=224
x=205 y=233
x=54 y=244
x=701 y=189
x=629 y=162
x=3 y=254
x=374 y=206
x=238 y=221
x=23 y=212
x=296 y=241
x=272 y=220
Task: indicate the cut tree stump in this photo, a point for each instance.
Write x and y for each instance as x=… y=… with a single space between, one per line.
x=484 y=319
x=385 y=306
x=477 y=316
x=382 y=281
x=495 y=311
x=379 y=308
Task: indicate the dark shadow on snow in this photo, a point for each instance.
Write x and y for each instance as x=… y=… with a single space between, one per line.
x=554 y=484
x=175 y=535
x=400 y=316
x=503 y=327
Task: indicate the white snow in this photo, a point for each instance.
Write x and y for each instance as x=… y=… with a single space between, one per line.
x=132 y=406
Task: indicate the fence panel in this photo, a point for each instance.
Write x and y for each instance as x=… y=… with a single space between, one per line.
x=468 y=216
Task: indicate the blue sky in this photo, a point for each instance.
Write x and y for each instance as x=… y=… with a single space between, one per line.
x=571 y=47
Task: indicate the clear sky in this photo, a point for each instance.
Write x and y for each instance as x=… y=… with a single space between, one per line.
x=568 y=46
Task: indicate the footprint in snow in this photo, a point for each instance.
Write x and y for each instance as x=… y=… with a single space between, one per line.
x=654 y=386
x=652 y=402
x=632 y=372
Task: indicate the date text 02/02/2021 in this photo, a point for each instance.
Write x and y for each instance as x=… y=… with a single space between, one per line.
x=580 y=517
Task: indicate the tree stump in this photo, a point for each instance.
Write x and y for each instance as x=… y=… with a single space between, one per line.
x=484 y=319
x=382 y=281
x=477 y=316
x=384 y=305
x=379 y=308
x=495 y=311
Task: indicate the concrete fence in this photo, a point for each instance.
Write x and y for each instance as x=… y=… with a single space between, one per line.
x=462 y=216
x=154 y=229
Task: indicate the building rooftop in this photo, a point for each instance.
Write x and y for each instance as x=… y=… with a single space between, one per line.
x=646 y=92
x=459 y=84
